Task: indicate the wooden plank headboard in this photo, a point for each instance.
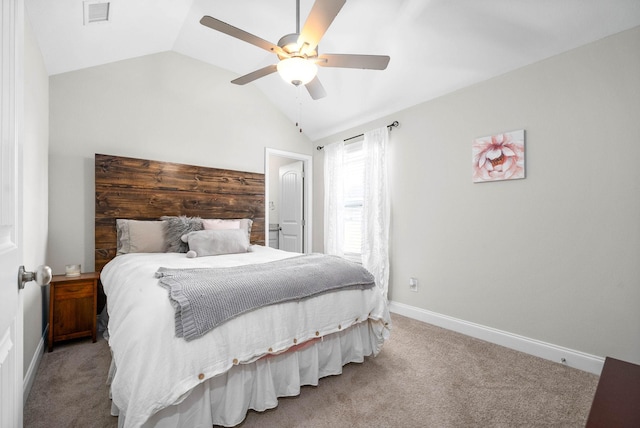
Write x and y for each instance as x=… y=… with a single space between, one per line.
x=146 y=190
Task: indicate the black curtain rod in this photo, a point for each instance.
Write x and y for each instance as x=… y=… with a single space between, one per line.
x=390 y=126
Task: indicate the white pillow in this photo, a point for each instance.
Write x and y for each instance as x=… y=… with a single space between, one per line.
x=220 y=223
x=216 y=242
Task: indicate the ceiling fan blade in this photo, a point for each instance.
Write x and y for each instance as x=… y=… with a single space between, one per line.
x=247 y=78
x=371 y=62
x=232 y=31
x=320 y=18
x=315 y=89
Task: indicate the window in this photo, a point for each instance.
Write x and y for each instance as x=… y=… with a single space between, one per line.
x=353 y=200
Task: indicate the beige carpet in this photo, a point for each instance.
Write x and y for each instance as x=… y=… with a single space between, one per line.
x=425 y=376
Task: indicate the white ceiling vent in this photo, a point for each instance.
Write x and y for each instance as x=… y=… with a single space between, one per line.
x=96 y=11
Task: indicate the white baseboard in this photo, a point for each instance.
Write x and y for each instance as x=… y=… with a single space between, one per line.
x=548 y=351
x=30 y=376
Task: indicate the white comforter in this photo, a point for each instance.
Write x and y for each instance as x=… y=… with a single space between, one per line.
x=156 y=369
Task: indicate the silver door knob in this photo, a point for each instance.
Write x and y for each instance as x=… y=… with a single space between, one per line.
x=42 y=276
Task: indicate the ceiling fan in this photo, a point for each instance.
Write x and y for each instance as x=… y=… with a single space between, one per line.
x=298 y=52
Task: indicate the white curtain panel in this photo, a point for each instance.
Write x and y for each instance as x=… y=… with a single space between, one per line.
x=376 y=209
x=334 y=198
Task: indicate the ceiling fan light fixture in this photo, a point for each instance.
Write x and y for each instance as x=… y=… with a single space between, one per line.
x=297 y=70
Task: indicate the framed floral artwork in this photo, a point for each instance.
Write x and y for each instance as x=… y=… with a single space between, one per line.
x=498 y=157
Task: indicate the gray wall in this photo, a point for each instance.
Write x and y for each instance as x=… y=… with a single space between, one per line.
x=554 y=257
x=35 y=192
x=164 y=107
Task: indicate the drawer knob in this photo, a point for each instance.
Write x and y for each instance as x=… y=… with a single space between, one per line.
x=42 y=276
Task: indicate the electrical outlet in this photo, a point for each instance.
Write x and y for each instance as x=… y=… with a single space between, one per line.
x=413 y=284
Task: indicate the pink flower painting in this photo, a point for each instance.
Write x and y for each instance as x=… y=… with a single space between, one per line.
x=499 y=157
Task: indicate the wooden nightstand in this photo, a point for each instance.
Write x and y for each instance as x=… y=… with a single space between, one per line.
x=73 y=307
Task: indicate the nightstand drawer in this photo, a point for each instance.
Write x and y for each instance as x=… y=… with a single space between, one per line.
x=74 y=290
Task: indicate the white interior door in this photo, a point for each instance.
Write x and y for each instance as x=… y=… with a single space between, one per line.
x=12 y=20
x=291 y=207
x=10 y=332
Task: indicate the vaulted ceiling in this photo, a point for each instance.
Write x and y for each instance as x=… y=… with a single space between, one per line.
x=436 y=46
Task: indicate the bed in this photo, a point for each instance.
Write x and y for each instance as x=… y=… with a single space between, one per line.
x=158 y=379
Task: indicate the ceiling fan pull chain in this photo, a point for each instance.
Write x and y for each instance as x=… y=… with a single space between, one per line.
x=298 y=100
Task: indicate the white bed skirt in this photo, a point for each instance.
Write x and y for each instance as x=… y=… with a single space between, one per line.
x=225 y=399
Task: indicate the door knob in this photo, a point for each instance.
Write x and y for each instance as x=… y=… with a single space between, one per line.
x=42 y=276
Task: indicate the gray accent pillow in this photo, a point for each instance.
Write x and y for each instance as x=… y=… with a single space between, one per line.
x=175 y=227
x=216 y=242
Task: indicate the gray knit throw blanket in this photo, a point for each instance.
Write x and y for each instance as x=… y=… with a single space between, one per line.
x=204 y=298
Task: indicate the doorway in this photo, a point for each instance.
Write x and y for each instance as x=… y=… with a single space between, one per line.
x=288 y=189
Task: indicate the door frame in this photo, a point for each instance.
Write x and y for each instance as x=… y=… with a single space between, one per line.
x=307 y=189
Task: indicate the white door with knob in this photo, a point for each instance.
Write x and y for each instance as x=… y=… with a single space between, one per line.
x=292 y=207
x=12 y=20
x=10 y=331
